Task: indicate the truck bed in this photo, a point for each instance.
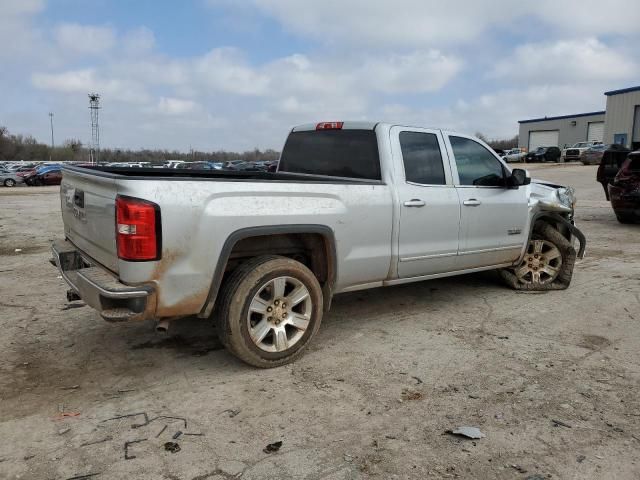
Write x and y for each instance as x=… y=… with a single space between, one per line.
x=132 y=173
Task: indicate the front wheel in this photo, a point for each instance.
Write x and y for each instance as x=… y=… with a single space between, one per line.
x=269 y=310
x=9 y=182
x=547 y=264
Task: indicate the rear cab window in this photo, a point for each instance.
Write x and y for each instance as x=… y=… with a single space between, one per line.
x=347 y=153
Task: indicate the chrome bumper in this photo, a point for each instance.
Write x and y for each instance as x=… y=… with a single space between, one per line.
x=115 y=301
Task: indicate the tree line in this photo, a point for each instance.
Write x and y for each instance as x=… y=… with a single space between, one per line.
x=16 y=147
x=505 y=144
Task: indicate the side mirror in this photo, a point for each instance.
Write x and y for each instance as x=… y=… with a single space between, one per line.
x=518 y=178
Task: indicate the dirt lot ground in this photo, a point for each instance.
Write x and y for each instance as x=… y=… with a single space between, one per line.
x=551 y=379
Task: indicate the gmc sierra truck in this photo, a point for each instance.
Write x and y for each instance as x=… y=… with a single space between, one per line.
x=352 y=206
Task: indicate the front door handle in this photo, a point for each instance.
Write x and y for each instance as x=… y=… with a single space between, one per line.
x=472 y=202
x=414 y=202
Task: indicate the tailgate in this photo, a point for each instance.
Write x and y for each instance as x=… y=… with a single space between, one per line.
x=88 y=212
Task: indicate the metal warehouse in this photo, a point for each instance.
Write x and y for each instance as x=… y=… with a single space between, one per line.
x=562 y=131
x=619 y=123
x=622 y=121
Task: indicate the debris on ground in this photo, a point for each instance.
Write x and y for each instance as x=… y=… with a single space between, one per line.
x=146 y=417
x=558 y=423
x=128 y=444
x=469 y=432
x=537 y=476
x=418 y=380
x=172 y=447
x=518 y=468
x=106 y=439
x=176 y=435
x=411 y=395
x=348 y=458
x=73 y=305
x=195 y=434
x=62 y=431
x=272 y=447
x=160 y=432
x=72 y=387
x=232 y=413
x=83 y=477
x=62 y=415
x=581 y=458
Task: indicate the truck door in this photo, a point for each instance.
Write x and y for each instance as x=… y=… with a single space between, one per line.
x=493 y=217
x=429 y=204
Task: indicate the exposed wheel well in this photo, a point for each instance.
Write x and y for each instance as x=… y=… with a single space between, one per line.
x=311 y=249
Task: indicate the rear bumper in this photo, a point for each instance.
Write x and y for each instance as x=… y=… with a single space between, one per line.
x=115 y=301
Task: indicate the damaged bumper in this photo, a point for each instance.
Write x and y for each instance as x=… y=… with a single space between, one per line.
x=98 y=288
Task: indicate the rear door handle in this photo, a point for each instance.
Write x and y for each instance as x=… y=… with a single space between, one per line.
x=472 y=202
x=414 y=202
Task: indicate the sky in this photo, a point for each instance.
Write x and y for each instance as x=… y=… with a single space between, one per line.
x=238 y=74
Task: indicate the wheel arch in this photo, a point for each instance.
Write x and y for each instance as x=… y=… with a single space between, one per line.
x=566 y=227
x=323 y=266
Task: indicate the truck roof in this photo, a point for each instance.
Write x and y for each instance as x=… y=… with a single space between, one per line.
x=349 y=125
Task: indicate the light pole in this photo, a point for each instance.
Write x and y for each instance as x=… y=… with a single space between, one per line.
x=51 y=122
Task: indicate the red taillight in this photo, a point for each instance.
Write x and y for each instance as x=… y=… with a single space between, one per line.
x=329 y=126
x=137 y=229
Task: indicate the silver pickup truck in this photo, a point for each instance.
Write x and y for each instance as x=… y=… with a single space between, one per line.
x=353 y=205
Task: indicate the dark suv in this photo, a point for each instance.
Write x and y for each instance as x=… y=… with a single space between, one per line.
x=624 y=191
x=543 y=154
x=612 y=160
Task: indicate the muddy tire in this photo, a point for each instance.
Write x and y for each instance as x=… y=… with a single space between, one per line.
x=268 y=311
x=547 y=265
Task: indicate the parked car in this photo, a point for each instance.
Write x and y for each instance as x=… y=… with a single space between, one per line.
x=624 y=190
x=262 y=254
x=231 y=163
x=543 y=154
x=573 y=153
x=593 y=155
x=514 y=155
x=47 y=175
x=612 y=160
x=10 y=179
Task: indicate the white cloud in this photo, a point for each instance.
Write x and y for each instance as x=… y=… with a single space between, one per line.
x=17 y=33
x=412 y=61
x=84 y=39
x=175 y=106
x=416 y=72
x=89 y=80
x=583 y=60
x=420 y=23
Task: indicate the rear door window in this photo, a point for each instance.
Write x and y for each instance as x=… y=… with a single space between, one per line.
x=422 y=158
x=336 y=153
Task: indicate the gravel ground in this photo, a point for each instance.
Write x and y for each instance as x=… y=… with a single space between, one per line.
x=551 y=379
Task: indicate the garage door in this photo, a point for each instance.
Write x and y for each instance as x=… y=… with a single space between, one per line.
x=595 y=132
x=546 y=138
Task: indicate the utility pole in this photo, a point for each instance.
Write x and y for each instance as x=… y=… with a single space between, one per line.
x=51 y=122
x=94 y=107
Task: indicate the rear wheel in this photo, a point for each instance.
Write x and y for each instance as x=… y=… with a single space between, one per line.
x=269 y=310
x=547 y=264
x=9 y=182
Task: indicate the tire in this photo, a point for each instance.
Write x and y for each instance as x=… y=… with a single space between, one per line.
x=255 y=282
x=550 y=238
x=9 y=182
x=625 y=219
